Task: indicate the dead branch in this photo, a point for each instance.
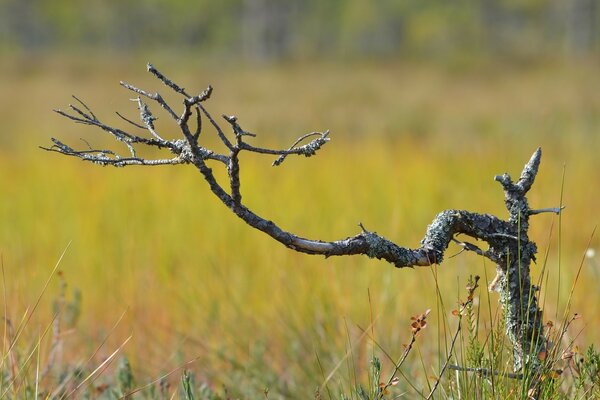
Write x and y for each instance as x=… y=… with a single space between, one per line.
x=508 y=244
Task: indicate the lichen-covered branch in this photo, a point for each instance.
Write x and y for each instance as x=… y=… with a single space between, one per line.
x=508 y=244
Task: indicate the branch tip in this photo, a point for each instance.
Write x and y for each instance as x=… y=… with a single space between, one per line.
x=530 y=171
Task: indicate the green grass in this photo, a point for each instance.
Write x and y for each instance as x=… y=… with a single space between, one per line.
x=194 y=282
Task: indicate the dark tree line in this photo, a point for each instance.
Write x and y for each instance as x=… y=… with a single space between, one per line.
x=272 y=29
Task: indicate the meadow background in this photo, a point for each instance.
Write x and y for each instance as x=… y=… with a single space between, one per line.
x=422 y=115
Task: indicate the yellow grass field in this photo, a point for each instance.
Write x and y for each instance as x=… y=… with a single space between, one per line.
x=193 y=282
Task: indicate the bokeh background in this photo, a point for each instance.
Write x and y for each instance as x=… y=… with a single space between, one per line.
x=426 y=102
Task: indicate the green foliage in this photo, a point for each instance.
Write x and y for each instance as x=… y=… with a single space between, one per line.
x=479 y=374
x=187 y=382
x=587 y=367
x=475 y=350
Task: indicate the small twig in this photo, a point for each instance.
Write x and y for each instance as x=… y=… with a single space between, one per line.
x=73 y=118
x=233 y=170
x=505 y=235
x=220 y=132
x=469 y=247
x=153 y=96
x=196 y=134
x=399 y=363
x=147 y=118
x=130 y=121
x=237 y=129
x=81 y=113
x=446 y=363
x=85 y=106
x=102 y=156
x=166 y=80
x=418 y=324
x=118 y=134
x=87 y=143
x=362 y=227
x=205 y=95
x=457 y=254
x=466 y=246
x=307 y=150
x=555 y=210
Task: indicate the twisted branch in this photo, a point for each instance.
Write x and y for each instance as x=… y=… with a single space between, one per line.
x=506 y=239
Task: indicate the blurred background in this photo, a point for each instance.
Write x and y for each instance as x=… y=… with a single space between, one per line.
x=269 y=30
x=426 y=102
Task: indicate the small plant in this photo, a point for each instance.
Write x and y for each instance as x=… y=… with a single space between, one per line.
x=586 y=368
x=481 y=359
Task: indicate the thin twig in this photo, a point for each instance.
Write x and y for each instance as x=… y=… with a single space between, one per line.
x=85 y=106
x=166 y=80
x=400 y=361
x=198 y=124
x=450 y=353
x=220 y=133
x=153 y=96
x=307 y=150
x=555 y=210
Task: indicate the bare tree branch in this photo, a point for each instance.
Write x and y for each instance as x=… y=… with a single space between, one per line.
x=508 y=244
x=152 y=96
x=130 y=121
x=108 y=157
x=217 y=128
x=167 y=81
x=555 y=210
x=198 y=124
